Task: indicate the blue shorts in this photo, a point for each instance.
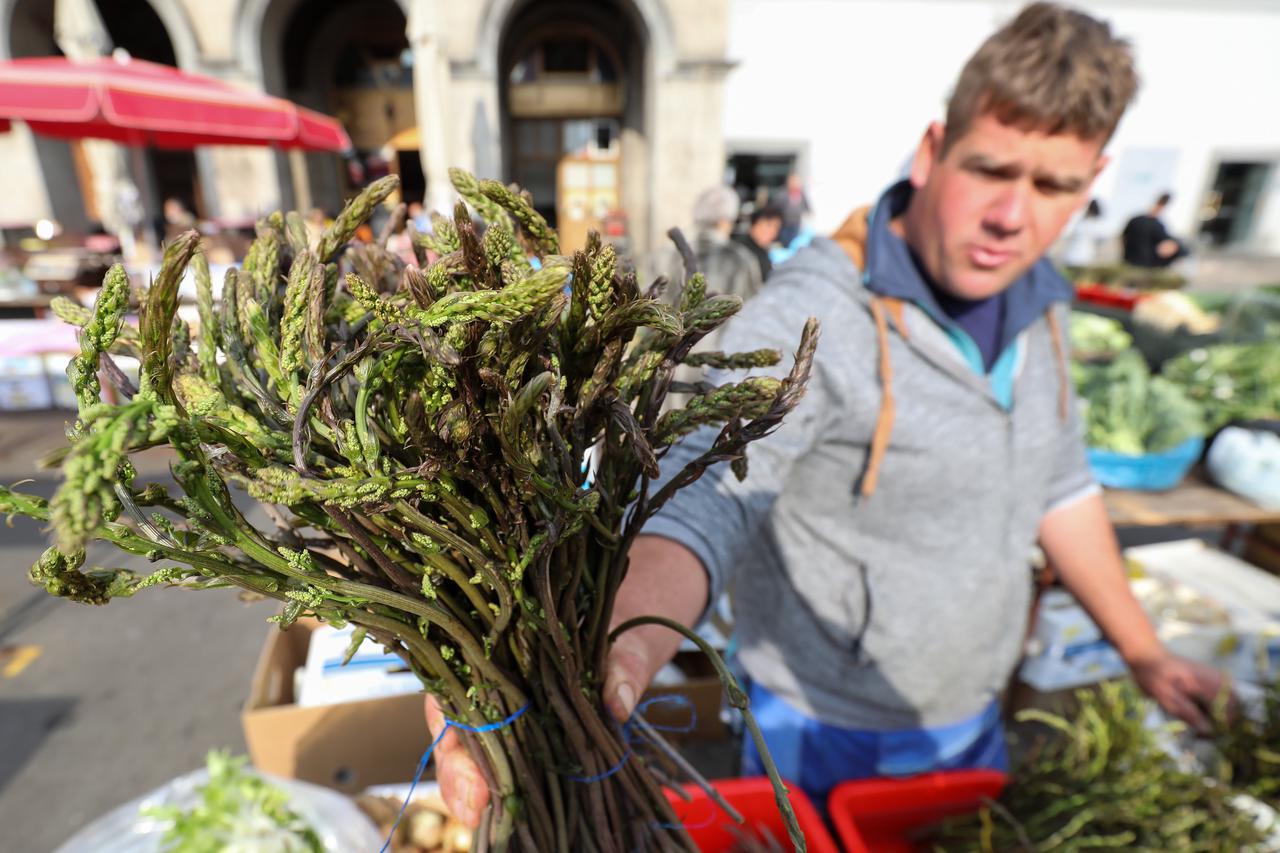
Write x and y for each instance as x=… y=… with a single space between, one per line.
x=817 y=757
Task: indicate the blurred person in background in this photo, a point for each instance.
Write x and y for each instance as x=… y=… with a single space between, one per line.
x=762 y=233
x=1084 y=244
x=728 y=266
x=174 y=219
x=794 y=206
x=1147 y=242
x=418 y=216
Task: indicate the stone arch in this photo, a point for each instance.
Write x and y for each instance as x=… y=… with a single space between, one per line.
x=251 y=40
x=259 y=48
x=651 y=15
x=651 y=46
x=182 y=36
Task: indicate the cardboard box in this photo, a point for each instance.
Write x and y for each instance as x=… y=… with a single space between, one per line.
x=1263 y=548
x=349 y=746
x=1264 y=555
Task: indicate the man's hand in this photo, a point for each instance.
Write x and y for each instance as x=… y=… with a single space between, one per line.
x=665 y=578
x=1184 y=688
x=461 y=784
x=629 y=669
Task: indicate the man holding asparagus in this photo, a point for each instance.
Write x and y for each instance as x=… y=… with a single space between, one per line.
x=879 y=550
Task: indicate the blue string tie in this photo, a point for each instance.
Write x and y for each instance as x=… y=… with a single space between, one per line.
x=426 y=759
x=628 y=736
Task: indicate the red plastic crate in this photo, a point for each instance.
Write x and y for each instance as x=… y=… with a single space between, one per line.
x=880 y=815
x=1111 y=297
x=708 y=825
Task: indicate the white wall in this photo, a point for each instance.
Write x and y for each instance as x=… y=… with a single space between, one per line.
x=860 y=79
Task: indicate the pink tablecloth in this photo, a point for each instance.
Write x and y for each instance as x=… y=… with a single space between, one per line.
x=35 y=337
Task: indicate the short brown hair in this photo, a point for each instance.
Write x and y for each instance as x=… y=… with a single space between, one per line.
x=1051 y=68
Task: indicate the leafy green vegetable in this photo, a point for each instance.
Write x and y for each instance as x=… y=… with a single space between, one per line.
x=1092 y=335
x=1231 y=381
x=1127 y=410
x=237 y=811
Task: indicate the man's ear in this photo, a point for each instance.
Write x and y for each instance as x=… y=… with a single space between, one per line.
x=1103 y=160
x=928 y=153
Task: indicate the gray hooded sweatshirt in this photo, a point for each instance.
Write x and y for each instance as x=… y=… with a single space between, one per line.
x=907 y=608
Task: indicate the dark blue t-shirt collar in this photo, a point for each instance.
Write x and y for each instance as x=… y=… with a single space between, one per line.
x=892 y=270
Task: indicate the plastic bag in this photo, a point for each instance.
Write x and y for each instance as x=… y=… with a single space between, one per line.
x=1247 y=462
x=336 y=819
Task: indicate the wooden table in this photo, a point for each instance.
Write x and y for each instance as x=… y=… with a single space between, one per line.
x=1194 y=503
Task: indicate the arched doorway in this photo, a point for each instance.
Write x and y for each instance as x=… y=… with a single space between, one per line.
x=571 y=78
x=349 y=60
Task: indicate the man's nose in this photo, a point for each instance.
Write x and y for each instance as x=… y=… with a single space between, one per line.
x=1008 y=212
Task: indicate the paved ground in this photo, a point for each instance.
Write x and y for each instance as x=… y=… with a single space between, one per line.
x=119 y=698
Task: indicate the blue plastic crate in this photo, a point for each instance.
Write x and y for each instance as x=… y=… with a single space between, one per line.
x=1150 y=472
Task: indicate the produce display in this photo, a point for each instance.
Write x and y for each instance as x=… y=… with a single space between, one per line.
x=1127 y=410
x=420 y=437
x=1231 y=381
x=1101 y=780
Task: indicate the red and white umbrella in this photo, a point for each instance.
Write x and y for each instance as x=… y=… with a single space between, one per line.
x=143 y=103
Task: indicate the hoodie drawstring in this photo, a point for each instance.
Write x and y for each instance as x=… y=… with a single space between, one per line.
x=1060 y=362
x=884 y=308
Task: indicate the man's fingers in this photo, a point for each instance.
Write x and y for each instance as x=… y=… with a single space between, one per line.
x=1184 y=708
x=462 y=787
x=435 y=717
x=435 y=722
x=461 y=784
x=626 y=678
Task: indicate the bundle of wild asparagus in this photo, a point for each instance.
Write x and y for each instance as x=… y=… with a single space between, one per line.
x=1101 y=781
x=418 y=435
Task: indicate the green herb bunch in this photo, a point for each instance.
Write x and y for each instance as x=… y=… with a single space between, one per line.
x=236 y=810
x=1231 y=381
x=418 y=435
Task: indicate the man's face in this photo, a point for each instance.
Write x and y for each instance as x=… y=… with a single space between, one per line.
x=986 y=211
